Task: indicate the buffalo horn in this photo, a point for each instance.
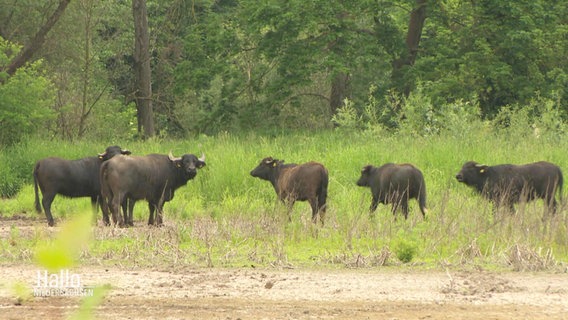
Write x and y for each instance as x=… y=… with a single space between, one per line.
x=202 y=158
x=172 y=158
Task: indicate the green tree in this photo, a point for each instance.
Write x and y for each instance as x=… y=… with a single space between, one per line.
x=25 y=98
x=503 y=52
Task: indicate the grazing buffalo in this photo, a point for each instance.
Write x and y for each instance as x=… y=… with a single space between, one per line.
x=71 y=178
x=394 y=184
x=507 y=184
x=293 y=182
x=154 y=177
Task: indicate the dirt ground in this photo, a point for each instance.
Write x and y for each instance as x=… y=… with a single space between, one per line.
x=271 y=293
x=299 y=294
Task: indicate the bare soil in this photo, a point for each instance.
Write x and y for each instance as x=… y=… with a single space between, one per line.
x=272 y=293
x=299 y=294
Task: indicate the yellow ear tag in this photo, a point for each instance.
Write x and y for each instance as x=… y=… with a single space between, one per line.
x=482 y=171
x=178 y=164
x=274 y=164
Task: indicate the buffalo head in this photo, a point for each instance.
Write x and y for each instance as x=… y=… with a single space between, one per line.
x=265 y=168
x=189 y=162
x=365 y=175
x=113 y=151
x=471 y=173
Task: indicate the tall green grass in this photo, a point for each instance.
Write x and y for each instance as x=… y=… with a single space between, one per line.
x=226 y=217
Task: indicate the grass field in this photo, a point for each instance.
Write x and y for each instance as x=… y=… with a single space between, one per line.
x=225 y=217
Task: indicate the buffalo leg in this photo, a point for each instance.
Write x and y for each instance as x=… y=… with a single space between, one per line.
x=95 y=201
x=157 y=208
x=290 y=205
x=511 y=208
x=321 y=212
x=105 y=209
x=314 y=205
x=126 y=206
x=128 y=210
x=404 y=207
x=395 y=204
x=46 y=203
x=115 y=210
x=374 y=204
x=551 y=205
x=159 y=214
x=151 y=208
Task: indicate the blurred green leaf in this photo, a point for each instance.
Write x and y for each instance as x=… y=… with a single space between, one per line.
x=65 y=249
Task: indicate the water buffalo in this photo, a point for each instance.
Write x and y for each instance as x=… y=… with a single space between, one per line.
x=293 y=182
x=394 y=184
x=507 y=184
x=70 y=178
x=154 y=177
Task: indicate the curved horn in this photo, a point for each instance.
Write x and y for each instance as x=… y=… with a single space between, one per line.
x=171 y=156
x=202 y=158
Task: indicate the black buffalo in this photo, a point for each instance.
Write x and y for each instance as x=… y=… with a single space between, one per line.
x=293 y=182
x=71 y=178
x=394 y=184
x=154 y=177
x=507 y=184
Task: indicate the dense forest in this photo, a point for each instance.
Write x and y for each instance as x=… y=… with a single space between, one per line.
x=91 y=69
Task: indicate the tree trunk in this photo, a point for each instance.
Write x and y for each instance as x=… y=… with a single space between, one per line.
x=86 y=74
x=415 y=26
x=339 y=91
x=35 y=44
x=143 y=94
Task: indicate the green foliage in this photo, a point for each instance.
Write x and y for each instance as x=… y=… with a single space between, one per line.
x=64 y=251
x=16 y=166
x=501 y=51
x=540 y=118
x=89 y=304
x=412 y=116
x=347 y=118
x=225 y=217
x=489 y=84
x=405 y=249
x=21 y=292
x=223 y=66
x=25 y=99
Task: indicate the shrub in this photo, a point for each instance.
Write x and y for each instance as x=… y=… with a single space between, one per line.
x=26 y=97
x=405 y=247
x=347 y=118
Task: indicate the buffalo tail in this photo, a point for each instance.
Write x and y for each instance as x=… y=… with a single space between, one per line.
x=37 y=205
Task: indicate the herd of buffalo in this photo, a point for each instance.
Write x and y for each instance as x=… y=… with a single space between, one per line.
x=115 y=180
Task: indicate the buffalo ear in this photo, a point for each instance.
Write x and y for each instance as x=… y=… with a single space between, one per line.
x=200 y=164
x=126 y=152
x=482 y=168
